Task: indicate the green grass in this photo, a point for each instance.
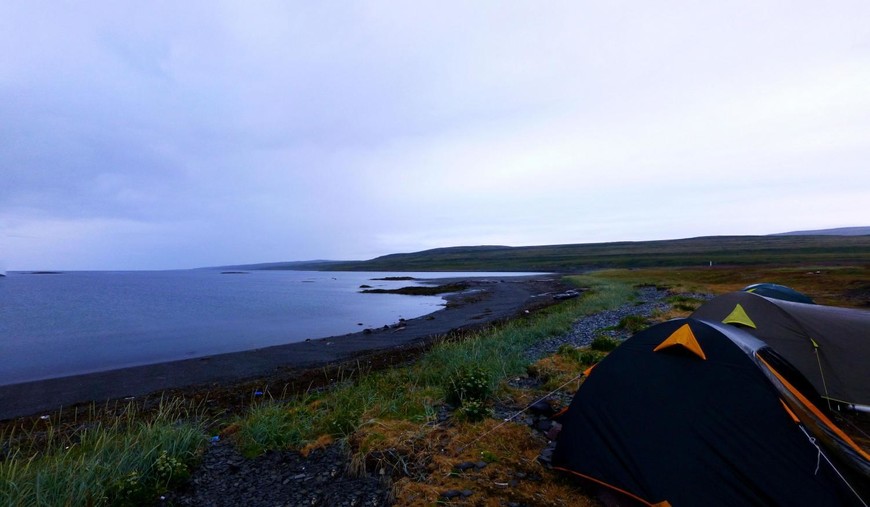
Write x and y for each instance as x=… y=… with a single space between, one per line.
x=633 y=323
x=603 y=343
x=684 y=303
x=411 y=393
x=583 y=356
x=126 y=461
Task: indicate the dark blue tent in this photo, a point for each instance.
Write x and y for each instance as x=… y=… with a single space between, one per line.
x=688 y=412
x=776 y=291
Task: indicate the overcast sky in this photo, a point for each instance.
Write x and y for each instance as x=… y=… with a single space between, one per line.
x=155 y=135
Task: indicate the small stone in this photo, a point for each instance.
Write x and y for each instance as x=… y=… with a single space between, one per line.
x=467 y=493
x=480 y=464
x=541 y=407
x=546 y=455
x=554 y=430
x=465 y=466
x=451 y=493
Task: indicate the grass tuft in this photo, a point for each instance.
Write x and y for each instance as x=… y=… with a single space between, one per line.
x=633 y=323
x=603 y=343
x=125 y=461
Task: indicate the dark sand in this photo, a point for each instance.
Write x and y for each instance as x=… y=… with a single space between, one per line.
x=484 y=302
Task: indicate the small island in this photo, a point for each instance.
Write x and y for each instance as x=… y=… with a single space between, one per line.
x=421 y=291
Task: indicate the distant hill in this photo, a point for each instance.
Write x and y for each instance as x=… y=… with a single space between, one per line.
x=720 y=250
x=313 y=265
x=840 y=231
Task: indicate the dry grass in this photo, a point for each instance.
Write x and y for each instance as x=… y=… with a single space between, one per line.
x=557 y=370
x=828 y=285
x=422 y=462
x=321 y=442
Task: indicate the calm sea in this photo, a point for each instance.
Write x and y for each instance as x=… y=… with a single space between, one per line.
x=55 y=325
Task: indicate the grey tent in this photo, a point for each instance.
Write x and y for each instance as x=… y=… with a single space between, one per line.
x=829 y=350
x=829 y=345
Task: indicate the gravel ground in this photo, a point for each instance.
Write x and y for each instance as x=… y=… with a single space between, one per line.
x=286 y=478
x=226 y=478
x=649 y=300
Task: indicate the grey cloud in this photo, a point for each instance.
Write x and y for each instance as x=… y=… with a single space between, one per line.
x=176 y=134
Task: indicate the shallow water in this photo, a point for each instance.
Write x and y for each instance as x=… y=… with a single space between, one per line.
x=55 y=325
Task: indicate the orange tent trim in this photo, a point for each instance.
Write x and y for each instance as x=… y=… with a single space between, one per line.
x=683 y=337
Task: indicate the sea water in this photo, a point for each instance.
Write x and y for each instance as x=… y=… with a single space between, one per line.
x=56 y=325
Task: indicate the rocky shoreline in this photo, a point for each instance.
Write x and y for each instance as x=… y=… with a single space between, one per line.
x=481 y=302
x=325 y=478
x=649 y=300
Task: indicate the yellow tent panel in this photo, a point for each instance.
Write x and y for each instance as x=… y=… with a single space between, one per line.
x=739 y=316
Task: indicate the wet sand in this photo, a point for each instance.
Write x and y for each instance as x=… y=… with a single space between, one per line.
x=486 y=300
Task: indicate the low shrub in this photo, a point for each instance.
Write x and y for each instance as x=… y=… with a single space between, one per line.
x=590 y=357
x=684 y=303
x=633 y=323
x=474 y=410
x=467 y=384
x=604 y=343
x=581 y=356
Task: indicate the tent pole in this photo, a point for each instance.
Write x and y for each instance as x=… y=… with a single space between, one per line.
x=859 y=408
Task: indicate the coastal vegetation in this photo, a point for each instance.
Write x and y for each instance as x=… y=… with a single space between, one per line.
x=120 y=461
x=415 y=425
x=413 y=392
